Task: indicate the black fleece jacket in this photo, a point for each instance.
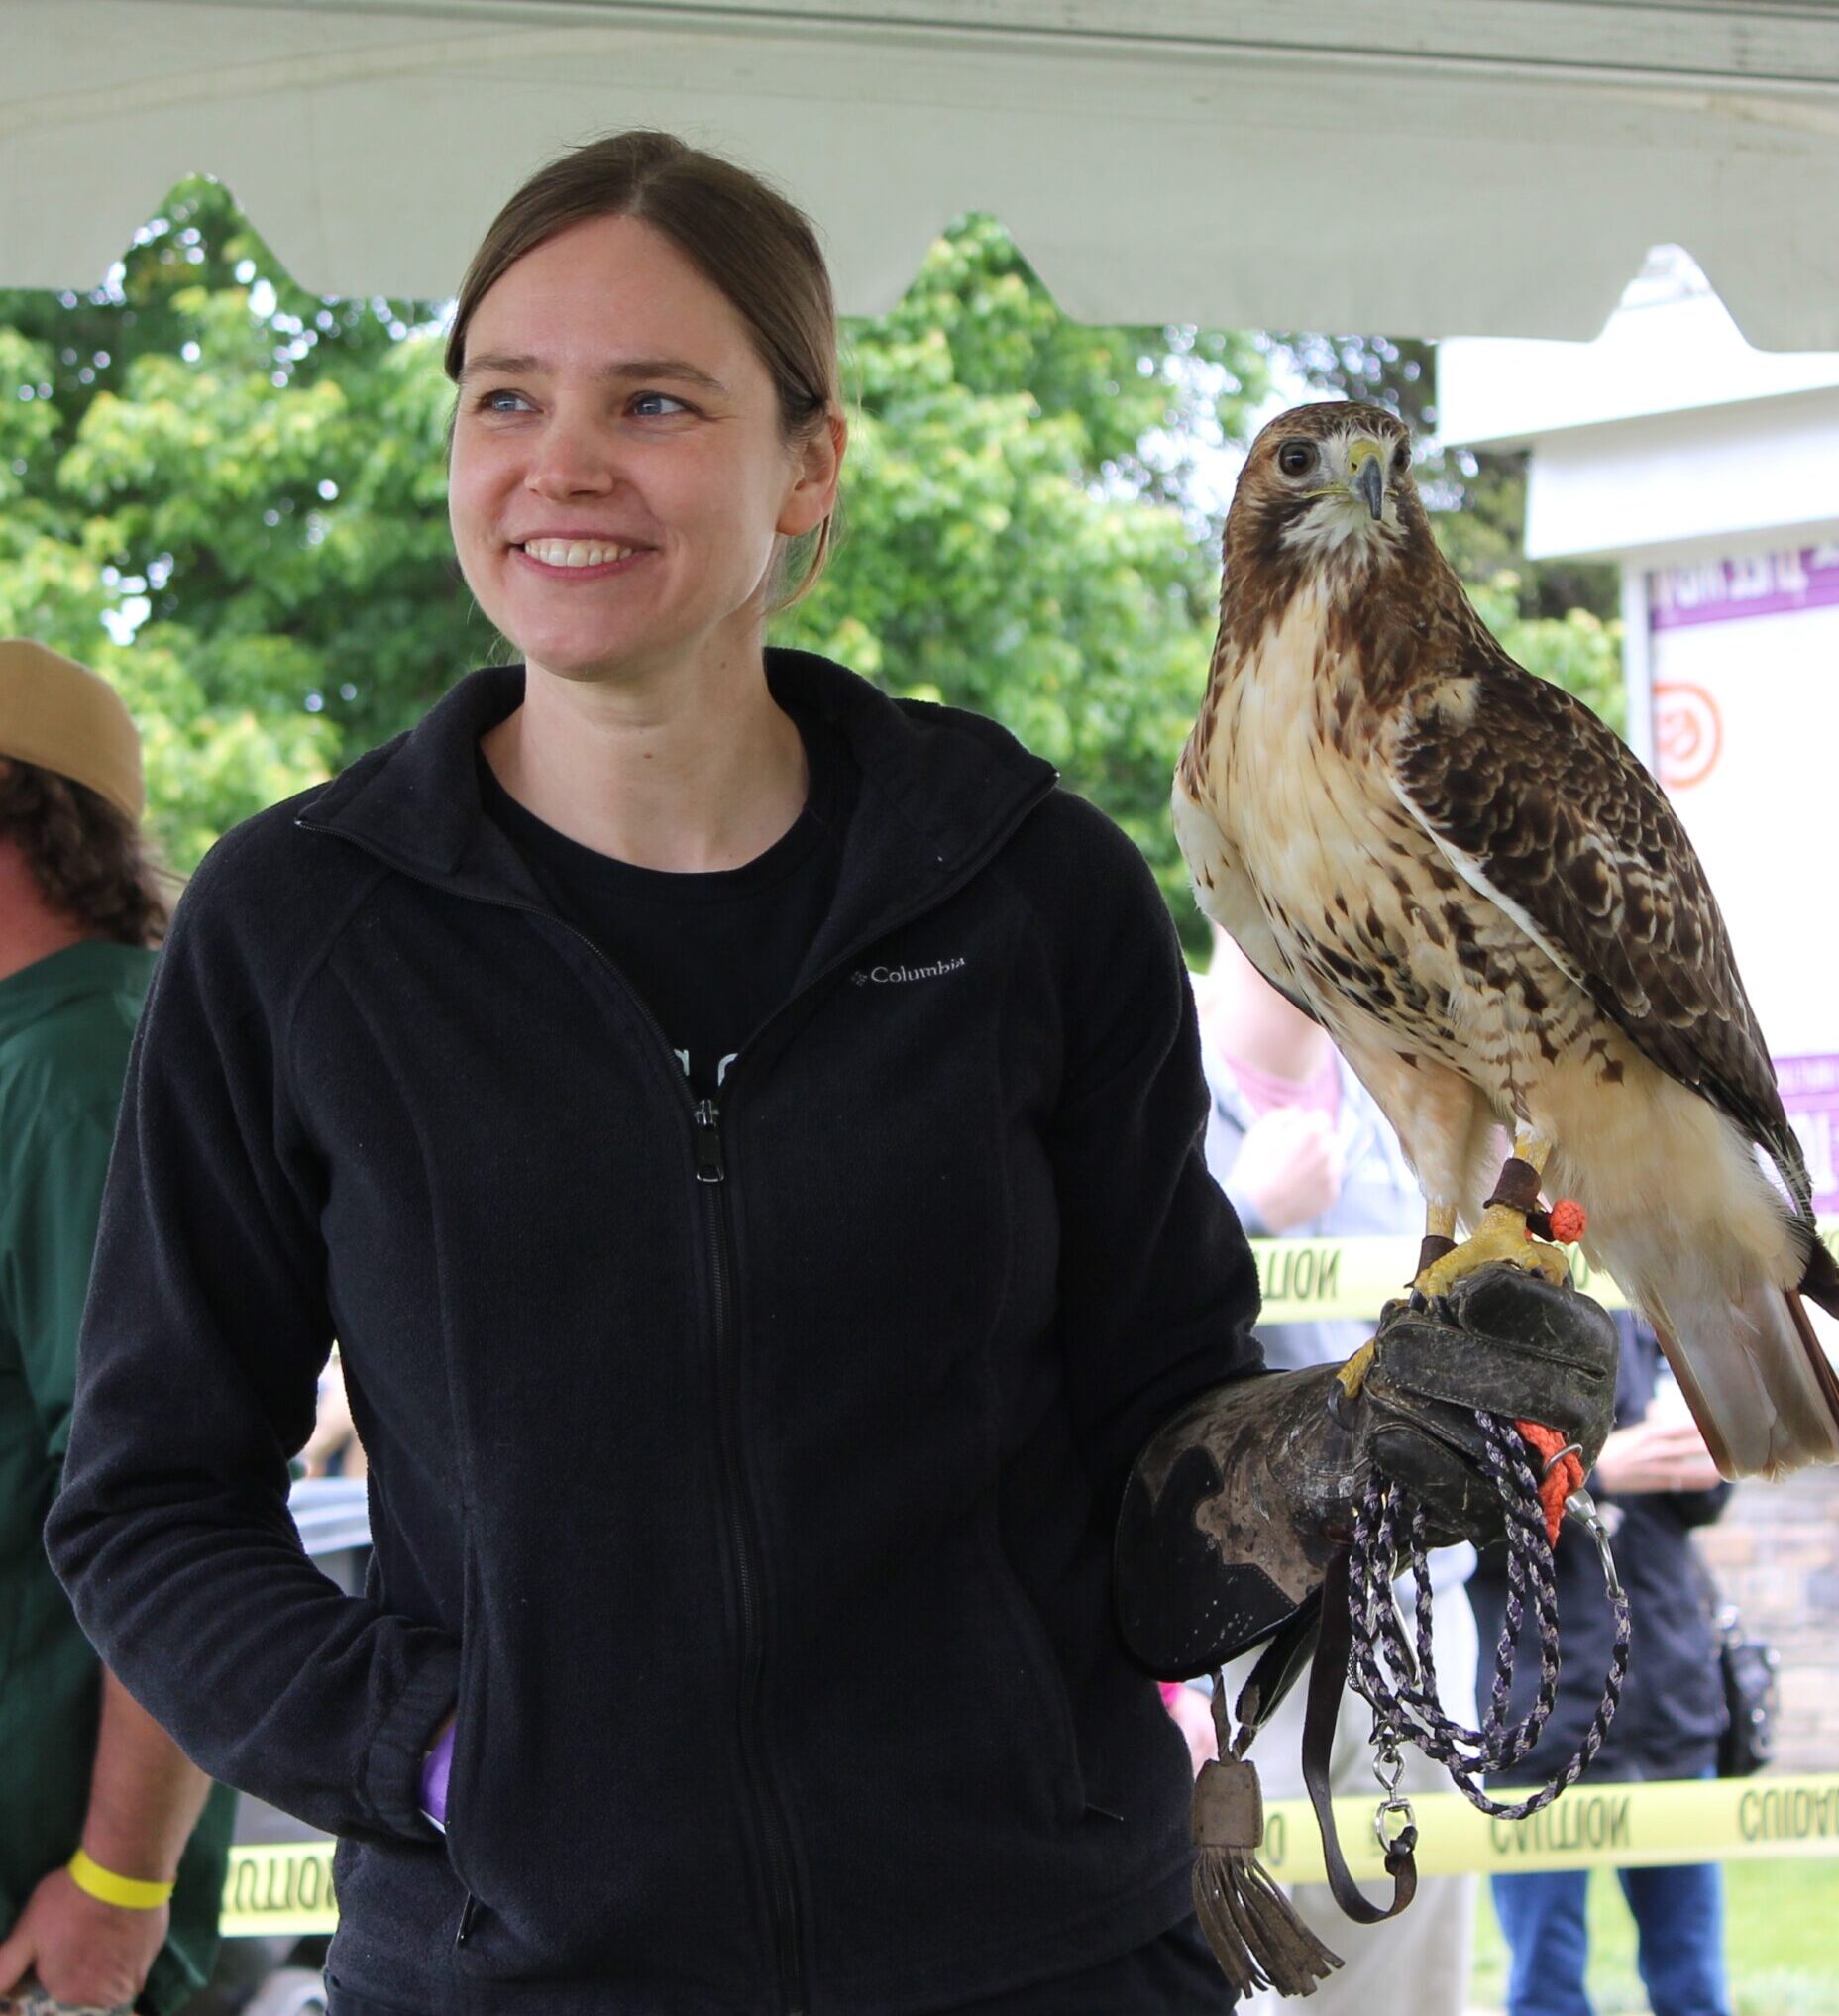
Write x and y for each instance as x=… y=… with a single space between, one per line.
x=744 y=1473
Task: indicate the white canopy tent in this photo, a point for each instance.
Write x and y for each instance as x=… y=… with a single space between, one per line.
x=1421 y=166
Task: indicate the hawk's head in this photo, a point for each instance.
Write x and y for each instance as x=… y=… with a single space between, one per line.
x=1325 y=485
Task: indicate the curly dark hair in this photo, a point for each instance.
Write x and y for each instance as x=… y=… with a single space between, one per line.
x=91 y=861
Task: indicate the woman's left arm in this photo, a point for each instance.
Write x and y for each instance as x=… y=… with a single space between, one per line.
x=1158 y=1289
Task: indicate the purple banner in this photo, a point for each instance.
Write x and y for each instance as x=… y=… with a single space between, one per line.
x=1810 y=1091
x=1764 y=585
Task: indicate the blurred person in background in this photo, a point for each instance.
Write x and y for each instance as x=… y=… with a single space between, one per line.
x=112 y=1844
x=1303 y=1152
x=1655 y=1481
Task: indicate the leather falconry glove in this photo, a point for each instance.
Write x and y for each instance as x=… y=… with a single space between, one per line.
x=1236 y=1528
x=1236 y=1506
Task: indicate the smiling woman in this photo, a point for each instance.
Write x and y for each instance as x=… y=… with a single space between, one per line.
x=622 y=488
x=744 y=240
x=750 y=1355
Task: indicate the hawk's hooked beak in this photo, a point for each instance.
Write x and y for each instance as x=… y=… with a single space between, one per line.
x=1366 y=475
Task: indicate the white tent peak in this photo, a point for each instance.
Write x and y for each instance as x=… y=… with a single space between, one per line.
x=1671 y=347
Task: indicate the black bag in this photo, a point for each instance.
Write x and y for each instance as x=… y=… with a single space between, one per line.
x=1748 y=1667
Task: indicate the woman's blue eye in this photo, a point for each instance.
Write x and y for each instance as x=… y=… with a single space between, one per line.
x=490 y=402
x=649 y=405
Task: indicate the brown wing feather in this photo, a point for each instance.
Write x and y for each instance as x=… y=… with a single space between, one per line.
x=1512 y=774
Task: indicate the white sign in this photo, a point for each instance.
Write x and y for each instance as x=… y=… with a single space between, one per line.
x=1745 y=656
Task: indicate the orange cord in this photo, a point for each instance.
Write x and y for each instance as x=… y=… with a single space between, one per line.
x=1560 y=1480
x=1568 y=1221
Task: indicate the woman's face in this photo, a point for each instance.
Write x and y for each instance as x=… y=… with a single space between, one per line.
x=618 y=481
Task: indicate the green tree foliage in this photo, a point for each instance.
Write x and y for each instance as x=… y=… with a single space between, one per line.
x=1559 y=619
x=228 y=495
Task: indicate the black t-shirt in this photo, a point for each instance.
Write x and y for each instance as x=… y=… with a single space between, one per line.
x=711 y=956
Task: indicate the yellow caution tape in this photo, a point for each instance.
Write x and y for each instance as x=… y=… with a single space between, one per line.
x=1313 y=1280
x=1700 y=1820
x=285 y=1890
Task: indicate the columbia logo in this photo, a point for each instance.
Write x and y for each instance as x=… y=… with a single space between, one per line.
x=893 y=976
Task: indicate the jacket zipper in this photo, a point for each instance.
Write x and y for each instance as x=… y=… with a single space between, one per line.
x=711 y=1174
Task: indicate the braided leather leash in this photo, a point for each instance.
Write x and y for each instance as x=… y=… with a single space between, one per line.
x=1363 y=1637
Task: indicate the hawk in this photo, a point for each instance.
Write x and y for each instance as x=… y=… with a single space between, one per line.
x=1491 y=907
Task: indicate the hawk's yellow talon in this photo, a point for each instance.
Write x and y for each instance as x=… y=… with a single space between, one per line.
x=1353 y=1374
x=1501 y=1235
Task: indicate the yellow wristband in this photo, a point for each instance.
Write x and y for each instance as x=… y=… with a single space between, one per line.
x=128 y=1893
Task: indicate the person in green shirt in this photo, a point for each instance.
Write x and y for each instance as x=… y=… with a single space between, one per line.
x=112 y=1843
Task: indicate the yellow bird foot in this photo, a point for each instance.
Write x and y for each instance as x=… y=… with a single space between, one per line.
x=1353 y=1373
x=1501 y=1235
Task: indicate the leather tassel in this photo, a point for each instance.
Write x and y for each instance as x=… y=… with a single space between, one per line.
x=1252 y=1926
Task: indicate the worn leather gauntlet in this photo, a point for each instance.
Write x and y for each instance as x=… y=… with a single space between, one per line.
x=1236 y=1505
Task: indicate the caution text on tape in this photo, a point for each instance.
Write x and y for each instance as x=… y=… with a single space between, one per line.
x=1710 y=1820
x=281 y=1889
x=1316 y=1280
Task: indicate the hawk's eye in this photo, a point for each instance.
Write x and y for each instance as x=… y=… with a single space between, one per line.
x=1296 y=458
x=1401 y=458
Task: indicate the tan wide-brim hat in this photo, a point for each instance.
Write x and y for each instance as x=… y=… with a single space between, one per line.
x=64 y=717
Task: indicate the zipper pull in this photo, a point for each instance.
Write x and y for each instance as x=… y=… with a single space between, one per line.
x=709 y=1167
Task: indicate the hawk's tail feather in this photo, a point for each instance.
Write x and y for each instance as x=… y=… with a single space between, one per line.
x=1761 y=1387
x=1825 y=1377
x=1697 y=1400
x=1820 y=1283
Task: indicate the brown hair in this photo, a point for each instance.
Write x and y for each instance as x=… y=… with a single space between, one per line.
x=740 y=234
x=90 y=861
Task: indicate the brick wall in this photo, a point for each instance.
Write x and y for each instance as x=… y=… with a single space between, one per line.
x=1776 y=1554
